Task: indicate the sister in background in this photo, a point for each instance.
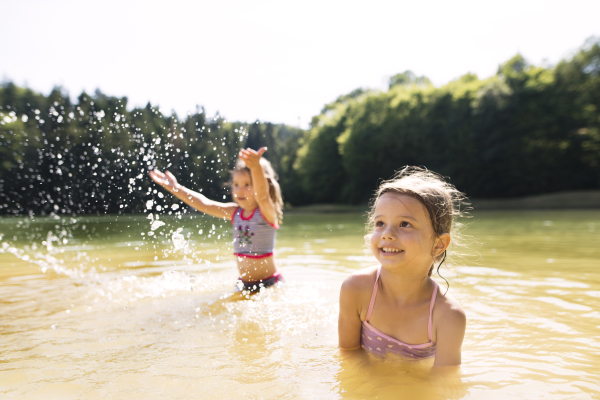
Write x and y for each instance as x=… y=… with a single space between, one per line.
x=396 y=307
x=255 y=215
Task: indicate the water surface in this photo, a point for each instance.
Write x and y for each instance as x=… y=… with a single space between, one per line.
x=107 y=307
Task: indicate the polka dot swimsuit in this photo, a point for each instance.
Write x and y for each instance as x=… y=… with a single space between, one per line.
x=377 y=342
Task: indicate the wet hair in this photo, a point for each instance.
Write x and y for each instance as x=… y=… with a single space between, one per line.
x=271 y=175
x=443 y=202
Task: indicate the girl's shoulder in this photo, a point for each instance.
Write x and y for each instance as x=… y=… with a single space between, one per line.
x=361 y=282
x=356 y=291
x=448 y=312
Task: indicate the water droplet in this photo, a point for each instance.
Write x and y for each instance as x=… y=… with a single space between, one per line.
x=156 y=224
x=178 y=241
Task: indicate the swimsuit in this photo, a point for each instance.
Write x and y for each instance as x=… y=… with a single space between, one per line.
x=255 y=286
x=254 y=236
x=377 y=342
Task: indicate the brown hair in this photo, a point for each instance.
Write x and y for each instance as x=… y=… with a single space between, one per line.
x=442 y=201
x=271 y=175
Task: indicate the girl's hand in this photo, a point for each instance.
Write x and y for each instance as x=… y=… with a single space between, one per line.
x=251 y=157
x=166 y=180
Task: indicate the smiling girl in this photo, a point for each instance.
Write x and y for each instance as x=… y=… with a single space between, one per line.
x=396 y=307
x=254 y=214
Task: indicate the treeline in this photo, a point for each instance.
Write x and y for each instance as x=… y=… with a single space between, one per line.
x=93 y=155
x=527 y=130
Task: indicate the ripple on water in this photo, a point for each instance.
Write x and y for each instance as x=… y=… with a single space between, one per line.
x=564 y=304
x=486 y=271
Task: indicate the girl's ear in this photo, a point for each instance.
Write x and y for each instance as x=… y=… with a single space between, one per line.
x=441 y=244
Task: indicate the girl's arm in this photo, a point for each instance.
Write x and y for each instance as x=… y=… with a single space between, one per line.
x=450 y=334
x=191 y=198
x=259 y=183
x=349 y=322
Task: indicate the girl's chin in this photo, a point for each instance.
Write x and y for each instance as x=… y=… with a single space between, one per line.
x=245 y=204
x=392 y=262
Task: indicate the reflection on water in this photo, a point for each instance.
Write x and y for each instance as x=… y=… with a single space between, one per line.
x=118 y=314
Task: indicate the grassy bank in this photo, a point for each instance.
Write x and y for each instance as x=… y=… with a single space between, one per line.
x=327 y=209
x=589 y=199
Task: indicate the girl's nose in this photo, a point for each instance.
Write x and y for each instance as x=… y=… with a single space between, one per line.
x=388 y=234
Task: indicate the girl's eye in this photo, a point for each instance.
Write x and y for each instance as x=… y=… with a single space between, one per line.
x=379 y=223
x=405 y=224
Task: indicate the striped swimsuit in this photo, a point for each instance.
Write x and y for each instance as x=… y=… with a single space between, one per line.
x=254 y=237
x=378 y=343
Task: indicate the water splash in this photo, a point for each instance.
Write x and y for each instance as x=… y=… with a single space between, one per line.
x=179 y=241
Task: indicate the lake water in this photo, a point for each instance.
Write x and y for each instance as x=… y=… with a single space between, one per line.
x=106 y=307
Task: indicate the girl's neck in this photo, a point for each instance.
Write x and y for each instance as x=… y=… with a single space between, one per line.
x=405 y=288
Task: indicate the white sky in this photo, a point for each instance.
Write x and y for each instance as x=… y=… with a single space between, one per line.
x=277 y=61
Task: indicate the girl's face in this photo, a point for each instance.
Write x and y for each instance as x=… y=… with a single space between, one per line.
x=403 y=238
x=242 y=190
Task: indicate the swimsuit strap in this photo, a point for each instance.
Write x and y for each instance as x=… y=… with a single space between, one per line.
x=233 y=215
x=373 y=296
x=433 y=296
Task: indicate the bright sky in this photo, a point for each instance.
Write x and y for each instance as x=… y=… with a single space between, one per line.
x=277 y=61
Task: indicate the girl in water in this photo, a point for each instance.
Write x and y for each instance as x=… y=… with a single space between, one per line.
x=254 y=214
x=396 y=307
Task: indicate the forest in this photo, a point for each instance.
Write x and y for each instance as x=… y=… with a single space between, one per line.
x=526 y=130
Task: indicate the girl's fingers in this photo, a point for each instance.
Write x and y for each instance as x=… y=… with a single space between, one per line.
x=171 y=177
x=251 y=156
x=250 y=152
x=157 y=180
x=161 y=178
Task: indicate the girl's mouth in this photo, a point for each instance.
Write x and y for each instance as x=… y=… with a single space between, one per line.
x=390 y=250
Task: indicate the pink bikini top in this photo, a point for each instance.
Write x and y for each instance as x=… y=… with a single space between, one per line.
x=377 y=342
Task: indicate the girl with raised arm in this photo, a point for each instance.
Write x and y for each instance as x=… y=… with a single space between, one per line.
x=255 y=214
